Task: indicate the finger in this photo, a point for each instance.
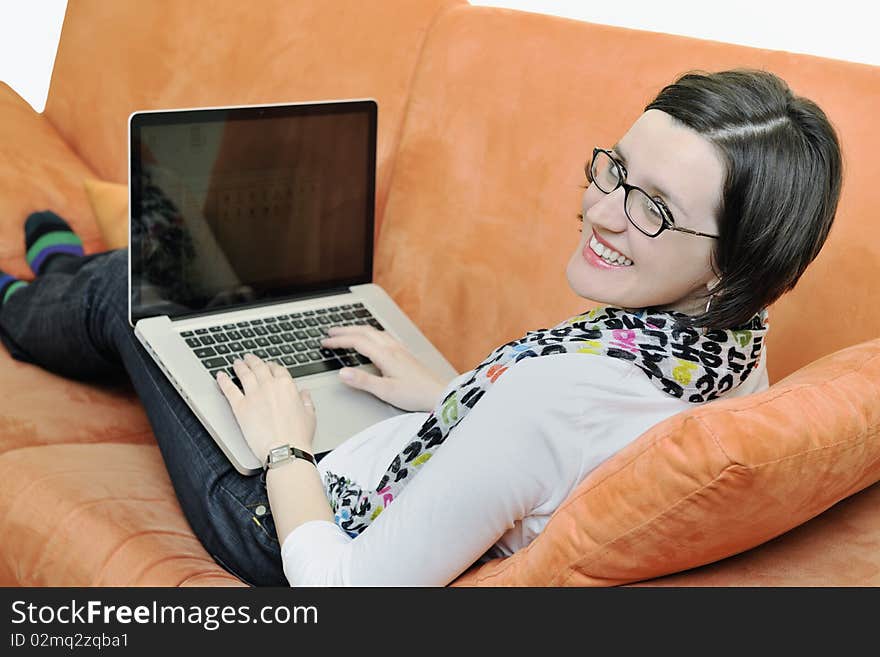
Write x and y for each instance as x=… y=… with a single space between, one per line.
x=228 y=388
x=278 y=371
x=363 y=380
x=357 y=329
x=258 y=367
x=362 y=344
x=245 y=375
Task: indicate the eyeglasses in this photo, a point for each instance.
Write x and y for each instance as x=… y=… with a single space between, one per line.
x=649 y=215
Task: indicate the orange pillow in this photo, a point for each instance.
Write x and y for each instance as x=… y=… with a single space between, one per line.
x=713 y=481
x=110 y=204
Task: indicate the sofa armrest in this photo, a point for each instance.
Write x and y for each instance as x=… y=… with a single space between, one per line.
x=38 y=171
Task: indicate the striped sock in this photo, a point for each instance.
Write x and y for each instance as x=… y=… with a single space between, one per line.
x=8 y=285
x=48 y=237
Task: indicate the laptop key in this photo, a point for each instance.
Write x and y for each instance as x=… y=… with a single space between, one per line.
x=327 y=353
x=222 y=349
x=335 y=317
x=308 y=313
x=254 y=322
x=314 y=355
x=205 y=352
x=324 y=319
x=375 y=324
x=288 y=337
x=286 y=326
x=357 y=305
x=220 y=361
x=229 y=327
x=249 y=344
x=345 y=306
x=236 y=346
x=361 y=312
x=311 y=321
x=274 y=351
x=221 y=337
x=186 y=334
x=302 y=358
x=244 y=323
x=332 y=309
x=275 y=339
x=298 y=323
x=300 y=334
x=232 y=359
x=313 y=344
x=314 y=368
x=349 y=361
x=215 y=329
x=260 y=353
x=286 y=349
x=248 y=333
x=313 y=332
x=363 y=360
x=346 y=315
x=207 y=339
x=283 y=316
x=201 y=331
x=292 y=315
x=299 y=346
x=259 y=330
x=262 y=342
x=273 y=328
x=194 y=342
x=234 y=335
x=288 y=360
x=269 y=320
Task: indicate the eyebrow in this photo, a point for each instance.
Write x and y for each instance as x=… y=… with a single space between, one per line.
x=664 y=194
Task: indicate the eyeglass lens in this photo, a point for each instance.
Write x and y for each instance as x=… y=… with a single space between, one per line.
x=642 y=210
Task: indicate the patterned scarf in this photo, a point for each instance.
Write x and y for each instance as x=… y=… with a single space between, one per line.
x=686 y=363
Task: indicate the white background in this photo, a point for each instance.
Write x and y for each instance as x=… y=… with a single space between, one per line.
x=845 y=29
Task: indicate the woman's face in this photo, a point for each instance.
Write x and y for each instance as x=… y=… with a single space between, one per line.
x=672 y=162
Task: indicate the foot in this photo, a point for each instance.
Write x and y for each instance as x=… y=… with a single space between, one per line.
x=48 y=240
x=8 y=286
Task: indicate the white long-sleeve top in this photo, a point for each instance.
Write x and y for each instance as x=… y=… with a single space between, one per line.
x=491 y=487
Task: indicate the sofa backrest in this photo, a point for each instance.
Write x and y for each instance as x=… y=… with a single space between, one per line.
x=505 y=108
x=118 y=57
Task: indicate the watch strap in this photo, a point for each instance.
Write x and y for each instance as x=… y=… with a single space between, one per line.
x=285 y=454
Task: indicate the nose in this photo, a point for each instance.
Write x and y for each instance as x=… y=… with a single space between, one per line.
x=606 y=210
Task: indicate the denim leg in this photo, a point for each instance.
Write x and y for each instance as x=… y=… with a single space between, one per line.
x=75 y=322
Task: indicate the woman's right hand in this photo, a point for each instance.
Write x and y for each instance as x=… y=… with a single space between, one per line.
x=405 y=382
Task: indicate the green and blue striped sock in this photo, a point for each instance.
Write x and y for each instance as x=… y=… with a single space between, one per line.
x=49 y=238
x=8 y=285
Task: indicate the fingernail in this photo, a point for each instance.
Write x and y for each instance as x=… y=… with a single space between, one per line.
x=346 y=374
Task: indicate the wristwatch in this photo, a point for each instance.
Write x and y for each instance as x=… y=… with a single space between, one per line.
x=286 y=454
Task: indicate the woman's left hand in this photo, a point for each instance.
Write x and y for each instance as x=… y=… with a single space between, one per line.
x=271 y=412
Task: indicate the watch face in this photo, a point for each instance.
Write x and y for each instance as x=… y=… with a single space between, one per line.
x=278 y=453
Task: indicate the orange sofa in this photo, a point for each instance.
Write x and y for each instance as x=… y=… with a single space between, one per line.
x=485 y=119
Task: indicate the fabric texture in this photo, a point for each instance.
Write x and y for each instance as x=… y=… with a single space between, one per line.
x=697 y=366
x=109 y=203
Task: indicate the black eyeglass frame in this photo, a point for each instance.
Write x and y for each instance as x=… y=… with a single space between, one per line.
x=667 y=223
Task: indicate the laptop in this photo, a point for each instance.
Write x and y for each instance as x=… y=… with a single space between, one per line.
x=251 y=230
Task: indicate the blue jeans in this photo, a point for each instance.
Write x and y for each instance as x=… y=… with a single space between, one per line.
x=73 y=320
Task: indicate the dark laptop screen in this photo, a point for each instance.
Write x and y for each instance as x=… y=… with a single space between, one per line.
x=236 y=207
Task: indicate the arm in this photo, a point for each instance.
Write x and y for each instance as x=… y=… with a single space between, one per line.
x=499 y=464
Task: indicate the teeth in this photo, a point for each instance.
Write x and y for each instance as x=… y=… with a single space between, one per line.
x=609 y=255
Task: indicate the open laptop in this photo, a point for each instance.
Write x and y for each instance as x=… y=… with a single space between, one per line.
x=251 y=230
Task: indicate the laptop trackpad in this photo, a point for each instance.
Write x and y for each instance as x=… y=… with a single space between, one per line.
x=343 y=411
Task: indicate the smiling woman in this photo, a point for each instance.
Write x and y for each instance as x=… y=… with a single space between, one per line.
x=733 y=156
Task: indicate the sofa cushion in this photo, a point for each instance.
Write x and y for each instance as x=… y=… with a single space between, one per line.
x=167 y=53
x=38 y=171
x=109 y=203
x=97 y=515
x=713 y=481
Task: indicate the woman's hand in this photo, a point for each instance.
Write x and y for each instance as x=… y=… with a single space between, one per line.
x=271 y=412
x=405 y=382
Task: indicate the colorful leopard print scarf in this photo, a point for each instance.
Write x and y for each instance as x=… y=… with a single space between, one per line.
x=692 y=364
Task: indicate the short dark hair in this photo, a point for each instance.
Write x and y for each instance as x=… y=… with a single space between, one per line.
x=781 y=188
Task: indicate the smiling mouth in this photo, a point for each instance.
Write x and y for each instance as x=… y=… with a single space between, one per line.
x=610 y=256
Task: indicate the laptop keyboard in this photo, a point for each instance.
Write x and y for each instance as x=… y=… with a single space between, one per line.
x=291 y=340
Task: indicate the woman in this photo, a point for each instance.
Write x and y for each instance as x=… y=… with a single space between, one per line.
x=707 y=210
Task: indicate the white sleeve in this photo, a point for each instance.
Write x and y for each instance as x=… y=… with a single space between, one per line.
x=494 y=468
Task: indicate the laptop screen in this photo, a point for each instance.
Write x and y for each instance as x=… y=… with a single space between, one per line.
x=236 y=207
